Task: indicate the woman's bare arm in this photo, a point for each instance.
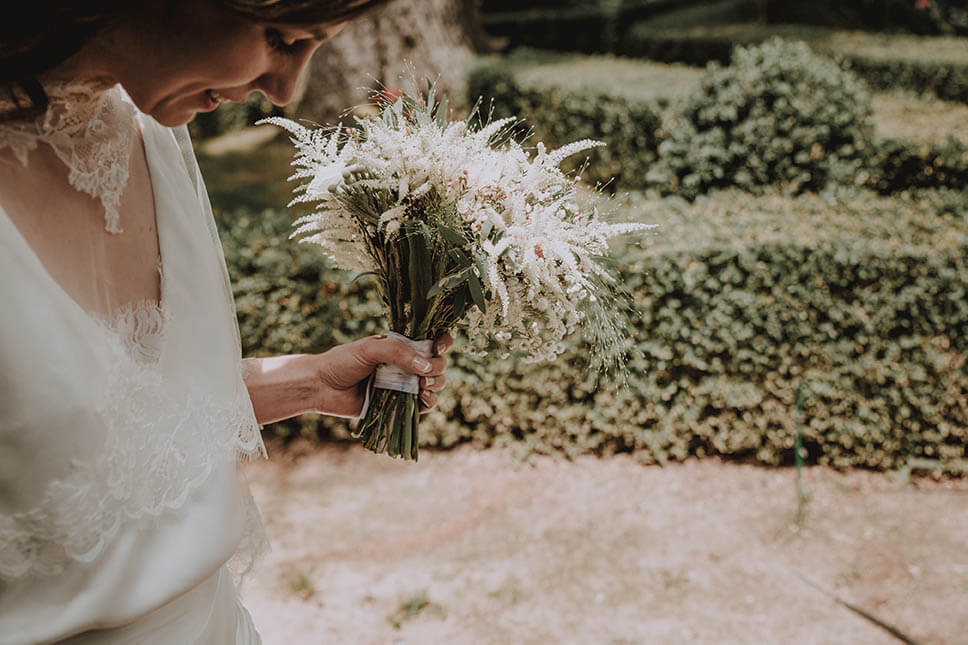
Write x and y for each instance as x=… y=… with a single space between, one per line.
x=334 y=382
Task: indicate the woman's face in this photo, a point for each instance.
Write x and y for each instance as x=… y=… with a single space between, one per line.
x=177 y=61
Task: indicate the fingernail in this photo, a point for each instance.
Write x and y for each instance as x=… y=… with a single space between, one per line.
x=429 y=380
x=421 y=364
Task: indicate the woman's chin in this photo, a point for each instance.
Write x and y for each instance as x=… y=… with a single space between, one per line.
x=179 y=113
x=170 y=120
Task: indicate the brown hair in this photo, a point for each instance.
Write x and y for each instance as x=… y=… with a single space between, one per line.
x=45 y=33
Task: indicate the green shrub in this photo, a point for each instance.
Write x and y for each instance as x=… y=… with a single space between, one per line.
x=566 y=98
x=899 y=165
x=779 y=115
x=741 y=299
x=586 y=27
x=928 y=65
x=933 y=65
x=587 y=30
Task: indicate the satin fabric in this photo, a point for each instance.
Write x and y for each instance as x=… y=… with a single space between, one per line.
x=209 y=613
x=153 y=577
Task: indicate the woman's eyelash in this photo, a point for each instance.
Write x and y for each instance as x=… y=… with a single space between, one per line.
x=278 y=43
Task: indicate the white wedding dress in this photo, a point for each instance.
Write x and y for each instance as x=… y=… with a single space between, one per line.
x=120 y=501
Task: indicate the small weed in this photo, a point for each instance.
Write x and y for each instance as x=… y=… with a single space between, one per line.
x=673 y=579
x=413 y=606
x=301 y=584
x=803 y=497
x=850 y=576
x=511 y=591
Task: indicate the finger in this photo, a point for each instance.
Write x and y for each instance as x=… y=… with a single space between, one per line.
x=433 y=383
x=397 y=352
x=444 y=342
x=428 y=399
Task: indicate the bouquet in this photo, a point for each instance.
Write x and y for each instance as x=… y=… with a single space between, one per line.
x=459 y=225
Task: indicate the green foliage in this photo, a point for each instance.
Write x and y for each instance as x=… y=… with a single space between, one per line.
x=741 y=299
x=779 y=115
x=901 y=165
x=525 y=86
x=587 y=27
x=936 y=65
x=564 y=97
x=230 y=117
x=945 y=80
x=585 y=30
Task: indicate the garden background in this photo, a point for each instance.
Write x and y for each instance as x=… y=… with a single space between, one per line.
x=804 y=302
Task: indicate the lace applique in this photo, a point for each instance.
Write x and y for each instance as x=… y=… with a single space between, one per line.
x=140 y=326
x=90 y=125
x=159 y=448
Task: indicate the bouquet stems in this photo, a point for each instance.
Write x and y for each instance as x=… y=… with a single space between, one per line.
x=390 y=424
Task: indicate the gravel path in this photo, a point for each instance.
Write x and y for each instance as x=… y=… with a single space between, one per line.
x=471 y=547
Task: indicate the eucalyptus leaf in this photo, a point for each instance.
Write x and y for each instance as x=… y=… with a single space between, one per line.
x=460 y=257
x=451 y=235
x=460 y=300
x=442 y=113
x=477 y=292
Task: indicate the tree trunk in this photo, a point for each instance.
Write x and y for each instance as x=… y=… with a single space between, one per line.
x=410 y=39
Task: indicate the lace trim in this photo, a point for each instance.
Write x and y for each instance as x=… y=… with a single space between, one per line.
x=90 y=125
x=140 y=326
x=158 y=450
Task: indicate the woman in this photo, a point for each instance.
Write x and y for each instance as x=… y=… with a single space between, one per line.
x=124 y=403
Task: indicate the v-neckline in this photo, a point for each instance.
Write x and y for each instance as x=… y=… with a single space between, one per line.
x=109 y=323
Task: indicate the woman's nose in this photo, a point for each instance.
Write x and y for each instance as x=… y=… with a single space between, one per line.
x=280 y=84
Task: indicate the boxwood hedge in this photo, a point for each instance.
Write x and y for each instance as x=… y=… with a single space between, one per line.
x=563 y=98
x=936 y=65
x=634 y=107
x=740 y=300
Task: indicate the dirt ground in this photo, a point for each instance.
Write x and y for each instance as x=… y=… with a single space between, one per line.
x=473 y=547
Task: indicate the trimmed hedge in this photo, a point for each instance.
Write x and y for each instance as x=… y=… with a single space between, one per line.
x=936 y=65
x=586 y=27
x=741 y=300
x=900 y=165
x=617 y=100
x=566 y=98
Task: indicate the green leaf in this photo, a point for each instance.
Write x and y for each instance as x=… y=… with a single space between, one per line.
x=477 y=292
x=460 y=301
x=459 y=278
x=363 y=275
x=417 y=266
x=482 y=264
x=451 y=235
x=430 y=95
x=434 y=290
x=460 y=257
x=486 y=229
x=442 y=114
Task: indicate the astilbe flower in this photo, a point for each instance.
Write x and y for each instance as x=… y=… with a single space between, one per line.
x=459 y=225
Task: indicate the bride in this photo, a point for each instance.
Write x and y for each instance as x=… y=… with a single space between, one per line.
x=124 y=403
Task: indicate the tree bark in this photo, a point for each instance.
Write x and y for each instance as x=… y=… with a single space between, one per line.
x=409 y=40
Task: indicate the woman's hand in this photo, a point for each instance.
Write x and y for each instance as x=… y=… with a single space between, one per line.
x=344 y=370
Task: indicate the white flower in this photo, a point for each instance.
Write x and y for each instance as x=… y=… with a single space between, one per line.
x=325 y=179
x=538 y=261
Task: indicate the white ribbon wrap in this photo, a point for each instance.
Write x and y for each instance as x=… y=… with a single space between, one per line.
x=391 y=377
